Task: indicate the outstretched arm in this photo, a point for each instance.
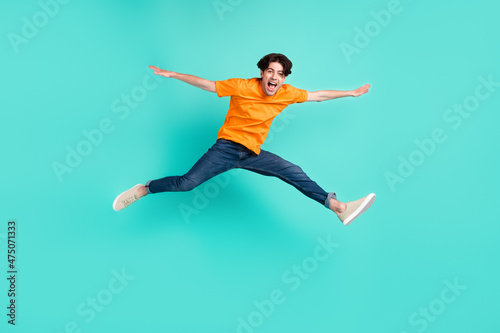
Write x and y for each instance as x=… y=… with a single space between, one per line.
x=191 y=79
x=325 y=95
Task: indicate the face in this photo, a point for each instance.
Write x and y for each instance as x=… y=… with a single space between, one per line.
x=272 y=78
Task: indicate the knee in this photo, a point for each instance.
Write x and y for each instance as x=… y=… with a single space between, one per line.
x=185 y=184
x=295 y=169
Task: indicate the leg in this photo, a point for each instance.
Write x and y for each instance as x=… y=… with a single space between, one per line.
x=219 y=158
x=270 y=164
x=216 y=160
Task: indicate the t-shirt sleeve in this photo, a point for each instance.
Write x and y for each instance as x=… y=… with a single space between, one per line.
x=298 y=95
x=227 y=87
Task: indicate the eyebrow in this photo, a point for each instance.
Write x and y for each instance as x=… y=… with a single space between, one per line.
x=269 y=68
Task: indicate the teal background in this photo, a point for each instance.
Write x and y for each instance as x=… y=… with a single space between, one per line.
x=201 y=273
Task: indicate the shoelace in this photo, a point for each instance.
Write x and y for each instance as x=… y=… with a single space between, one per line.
x=127 y=201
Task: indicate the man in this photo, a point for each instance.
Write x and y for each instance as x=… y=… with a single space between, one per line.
x=254 y=104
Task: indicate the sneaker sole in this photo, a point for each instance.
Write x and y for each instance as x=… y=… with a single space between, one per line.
x=370 y=198
x=119 y=195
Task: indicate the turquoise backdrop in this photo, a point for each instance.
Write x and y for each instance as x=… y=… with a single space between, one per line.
x=83 y=119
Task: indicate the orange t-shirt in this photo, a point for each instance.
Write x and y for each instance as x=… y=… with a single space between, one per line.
x=251 y=112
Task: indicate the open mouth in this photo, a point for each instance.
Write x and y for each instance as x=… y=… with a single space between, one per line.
x=272 y=86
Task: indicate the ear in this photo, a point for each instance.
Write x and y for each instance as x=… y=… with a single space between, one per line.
x=261 y=74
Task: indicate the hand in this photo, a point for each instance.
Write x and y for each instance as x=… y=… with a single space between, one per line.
x=360 y=91
x=162 y=72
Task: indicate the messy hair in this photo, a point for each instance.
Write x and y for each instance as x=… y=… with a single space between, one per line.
x=263 y=63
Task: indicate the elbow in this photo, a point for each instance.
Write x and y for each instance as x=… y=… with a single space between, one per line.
x=322 y=97
x=210 y=86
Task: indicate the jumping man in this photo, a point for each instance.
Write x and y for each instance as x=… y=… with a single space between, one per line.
x=254 y=104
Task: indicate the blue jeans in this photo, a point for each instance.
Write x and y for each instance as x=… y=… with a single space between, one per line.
x=225 y=155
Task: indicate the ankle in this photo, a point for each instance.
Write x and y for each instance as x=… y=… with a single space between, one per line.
x=142 y=191
x=337 y=206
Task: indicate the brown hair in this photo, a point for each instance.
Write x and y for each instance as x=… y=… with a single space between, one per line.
x=276 y=57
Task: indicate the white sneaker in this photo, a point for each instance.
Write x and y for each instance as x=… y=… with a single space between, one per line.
x=127 y=198
x=356 y=208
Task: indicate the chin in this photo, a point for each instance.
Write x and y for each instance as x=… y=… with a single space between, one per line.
x=271 y=93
